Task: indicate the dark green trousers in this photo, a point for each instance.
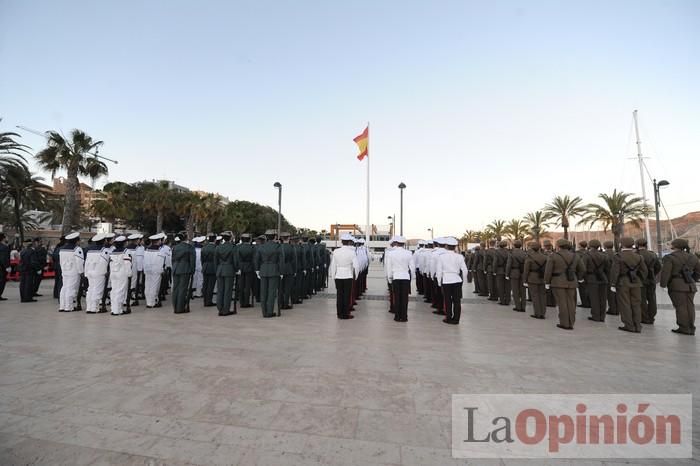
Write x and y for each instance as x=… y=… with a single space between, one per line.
x=598 y=295
x=629 y=304
x=685 y=309
x=268 y=294
x=285 y=291
x=181 y=283
x=648 y=303
x=208 y=289
x=224 y=293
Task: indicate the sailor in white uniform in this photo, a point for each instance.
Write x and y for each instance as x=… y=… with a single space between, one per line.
x=450 y=272
x=153 y=266
x=198 y=277
x=344 y=268
x=72 y=266
x=400 y=268
x=96 y=268
x=120 y=270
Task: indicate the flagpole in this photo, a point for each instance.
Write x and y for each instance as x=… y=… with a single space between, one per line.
x=368 y=157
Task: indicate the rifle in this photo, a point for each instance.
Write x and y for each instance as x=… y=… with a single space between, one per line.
x=103 y=304
x=81 y=290
x=189 y=292
x=235 y=293
x=128 y=296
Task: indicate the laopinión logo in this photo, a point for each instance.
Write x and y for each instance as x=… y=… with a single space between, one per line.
x=572 y=426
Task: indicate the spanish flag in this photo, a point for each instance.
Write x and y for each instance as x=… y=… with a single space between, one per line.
x=362 y=142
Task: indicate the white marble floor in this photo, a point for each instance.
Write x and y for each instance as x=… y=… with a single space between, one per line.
x=158 y=388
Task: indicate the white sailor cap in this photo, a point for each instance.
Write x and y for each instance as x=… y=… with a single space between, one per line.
x=400 y=239
x=109 y=235
x=198 y=239
x=422 y=242
x=450 y=241
x=346 y=237
x=134 y=236
x=120 y=239
x=73 y=235
x=157 y=236
x=393 y=239
x=439 y=240
x=361 y=241
x=97 y=237
x=176 y=239
x=219 y=238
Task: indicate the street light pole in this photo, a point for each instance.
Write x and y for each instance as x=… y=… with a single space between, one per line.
x=402 y=186
x=431 y=232
x=278 y=185
x=657 y=204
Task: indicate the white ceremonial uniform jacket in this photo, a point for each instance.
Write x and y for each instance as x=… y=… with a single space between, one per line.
x=139 y=257
x=96 y=262
x=72 y=261
x=154 y=261
x=449 y=265
x=168 y=251
x=344 y=263
x=399 y=264
x=120 y=263
x=434 y=257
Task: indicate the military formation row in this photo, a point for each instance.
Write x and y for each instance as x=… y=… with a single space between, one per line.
x=120 y=271
x=613 y=283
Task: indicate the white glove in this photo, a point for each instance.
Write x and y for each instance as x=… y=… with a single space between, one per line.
x=317 y=267
x=493 y=274
x=238 y=273
x=547 y=286
x=613 y=289
x=281 y=277
x=507 y=278
x=8 y=270
x=390 y=281
x=580 y=281
x=304 y=272
x=38 y=272
x=526 y=285
x=257 y=274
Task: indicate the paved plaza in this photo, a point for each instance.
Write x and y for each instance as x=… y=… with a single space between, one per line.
x=158 y=388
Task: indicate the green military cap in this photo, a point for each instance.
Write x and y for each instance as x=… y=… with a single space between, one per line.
x=641 y=242
x=534 y=245
x=594 y=243
x=563 y=243
x=627 y=242
x=517 y=243
x=547 y=242
x=482 y=244
x=583 y=244
x=503 y=244
x=679 y=243
x=608 y=244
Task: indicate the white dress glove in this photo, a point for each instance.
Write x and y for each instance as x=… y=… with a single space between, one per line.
x=547 y=286
x=257 y=274
x=613 y=289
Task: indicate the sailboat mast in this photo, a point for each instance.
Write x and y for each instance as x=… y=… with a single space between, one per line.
x=641 y=178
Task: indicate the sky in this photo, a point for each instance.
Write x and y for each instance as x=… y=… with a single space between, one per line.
x=485 y=110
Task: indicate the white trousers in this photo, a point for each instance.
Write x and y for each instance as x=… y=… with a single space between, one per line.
x=96 y=286
x=118 y=295
x=69 y=292
x=197 y=282
x=152 y=287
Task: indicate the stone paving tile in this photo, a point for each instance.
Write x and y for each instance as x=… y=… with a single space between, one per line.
x=155 y=388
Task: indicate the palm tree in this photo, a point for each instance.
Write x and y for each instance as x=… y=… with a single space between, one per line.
x=563 y=209
x=158 y=198
x=210 y=208
x=535 y=222
x=21 y=192
x=496 y=229
x=73 y=155
x=516 y=229
x=614 y=211
x=115 y=203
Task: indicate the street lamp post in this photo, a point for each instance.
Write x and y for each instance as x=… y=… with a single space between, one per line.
x=402 y=186
x=657 y=204
x=431 y=232
x=278 y=185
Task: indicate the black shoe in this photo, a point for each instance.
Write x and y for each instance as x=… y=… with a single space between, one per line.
x=447 y=321
x=625 y=329
x=613 y=313
x=563 y=327
x=128 y=311
x=534 y=316
x=594 y=320
x=648 y=322
x=37 y=295
x=158 y=305
x=224 y=314
x=391 y=311
x=350 y=317
x=3 y=299
x=29 y=301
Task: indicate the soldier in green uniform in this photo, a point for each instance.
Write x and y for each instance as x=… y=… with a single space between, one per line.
x=300 y=272
x=268 y=268
x=612 y=299
x=679 y=272
x=548 y=250
x=489 y=264
x=307 y=247
x=533 y=271
x=597 y=272
x=561 y=273
x=649 y=281
x=289 y=267
x=226 y=269
x=245 y=253
x=478 y=267
x=500 y=260
x=208 y=259
x=322 y=265
x=628 y=270
x=583 y=287
x=514 y=273
x=183 y=268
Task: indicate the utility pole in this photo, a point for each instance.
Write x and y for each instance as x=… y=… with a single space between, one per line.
x=641 y=177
